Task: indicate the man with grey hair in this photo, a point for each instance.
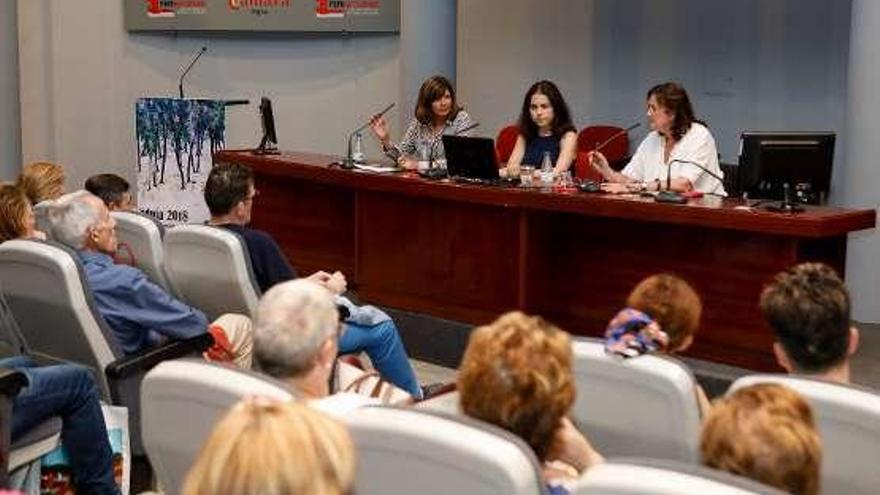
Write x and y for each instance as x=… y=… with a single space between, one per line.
x=295 y=336
x=140 y=312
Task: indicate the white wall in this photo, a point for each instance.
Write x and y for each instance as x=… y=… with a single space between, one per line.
x=10 y=129
x=81 y=74
x=505 y=46
x=748 y=64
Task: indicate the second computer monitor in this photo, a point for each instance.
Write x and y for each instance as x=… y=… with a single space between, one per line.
x=803 y=160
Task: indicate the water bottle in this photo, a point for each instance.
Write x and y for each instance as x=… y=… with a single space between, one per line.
x=357 y=154
x=423 y=153
x=547 y=170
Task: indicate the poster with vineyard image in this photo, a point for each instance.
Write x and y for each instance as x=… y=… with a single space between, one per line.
x=176 y=141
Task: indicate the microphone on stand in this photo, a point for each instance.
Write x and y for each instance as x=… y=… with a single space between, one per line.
x=592 y=186
x=348 y=162
x=195 y=59
x=670 y=196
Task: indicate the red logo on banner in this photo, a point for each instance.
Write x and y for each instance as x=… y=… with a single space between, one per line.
x=160 y=8
x=329 y=8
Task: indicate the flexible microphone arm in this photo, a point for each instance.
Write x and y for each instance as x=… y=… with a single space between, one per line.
x=349 y=160
x=188 y=67
x=617 y=135
x=670 y=196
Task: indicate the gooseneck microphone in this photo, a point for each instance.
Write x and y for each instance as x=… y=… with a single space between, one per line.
x=348 y=163
x=195 y=59
x=670 y=196
x=622 y=132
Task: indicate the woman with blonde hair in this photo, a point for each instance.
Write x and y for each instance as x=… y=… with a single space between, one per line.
x=262 y=447
x=765 y=432
x=41 y=181
x=516 y=374
x=16 y=215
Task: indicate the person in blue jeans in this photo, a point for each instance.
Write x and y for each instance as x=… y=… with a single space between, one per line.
x=68 y=391
x=229 y=194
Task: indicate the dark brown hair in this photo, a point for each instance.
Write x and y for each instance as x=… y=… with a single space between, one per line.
x=808 y=308
x=227 y=185
x=672 y=303
x=674 y=98
x=561 y=115
x=432 y=90
x=108 y=187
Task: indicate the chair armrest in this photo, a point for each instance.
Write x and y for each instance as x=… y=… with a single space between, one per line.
x=130 y=365
x=11 y=382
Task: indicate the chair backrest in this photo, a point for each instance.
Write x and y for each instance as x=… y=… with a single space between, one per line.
x=210 y=269
x=590 y=137
x=848 y=419
x=505 y=142
x=405 y=451
x=46 y=288
x=181 y=402
x=644 y=406
x=143 y=236
x=626 y=476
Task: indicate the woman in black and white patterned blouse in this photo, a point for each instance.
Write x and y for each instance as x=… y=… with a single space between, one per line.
x=437 y=113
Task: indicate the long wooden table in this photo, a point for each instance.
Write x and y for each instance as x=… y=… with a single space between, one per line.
x=470 y=253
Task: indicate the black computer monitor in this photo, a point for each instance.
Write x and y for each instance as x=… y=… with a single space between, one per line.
x=269 y=142
x=803 y=160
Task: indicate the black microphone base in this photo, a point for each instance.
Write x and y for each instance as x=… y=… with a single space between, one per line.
x=785 y=208
x=670 y=197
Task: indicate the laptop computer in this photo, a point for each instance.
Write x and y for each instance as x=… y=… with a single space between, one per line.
x=471 y=157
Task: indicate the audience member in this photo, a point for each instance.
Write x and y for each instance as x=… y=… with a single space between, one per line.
x=140 y=312
x=16 y=215
x=516 y=374
x=808 y=308
x=41 y=181
x=229 y=194
x=113 y=191
x=662 y=315
x=765 y=432
x=263 y=447
x=68 y=391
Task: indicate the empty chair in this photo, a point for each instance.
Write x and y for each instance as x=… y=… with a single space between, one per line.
x=142 y=235
x=848 y=420
x=210 y=269
x=182 y=400
x=47 y=293
x=404 y=451
x=644 y=406
x=635 y=476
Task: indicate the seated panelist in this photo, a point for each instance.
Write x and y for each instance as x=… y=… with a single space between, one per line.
x=544 y=127
x=676 y=139
x=140 y=313
x=437 y=113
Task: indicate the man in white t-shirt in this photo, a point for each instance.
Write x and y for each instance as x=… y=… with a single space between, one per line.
x=676 y=149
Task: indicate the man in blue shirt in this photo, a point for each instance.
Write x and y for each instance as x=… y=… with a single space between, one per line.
x=140 y=312
x=229 y=194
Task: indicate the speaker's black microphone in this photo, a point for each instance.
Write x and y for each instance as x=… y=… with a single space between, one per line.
x=622 y=132
x=348 y=162
x=195 y=59
x=670 y=196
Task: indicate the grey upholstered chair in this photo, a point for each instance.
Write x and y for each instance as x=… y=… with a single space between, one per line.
x=142 y=236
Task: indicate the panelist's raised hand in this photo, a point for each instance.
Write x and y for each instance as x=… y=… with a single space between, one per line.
x=379 y=126
x=600 y=163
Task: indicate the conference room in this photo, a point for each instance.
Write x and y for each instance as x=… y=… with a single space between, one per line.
x=471 y=246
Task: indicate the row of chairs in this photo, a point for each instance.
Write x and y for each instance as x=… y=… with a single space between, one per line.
x=588 y=138
x=400 y=450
